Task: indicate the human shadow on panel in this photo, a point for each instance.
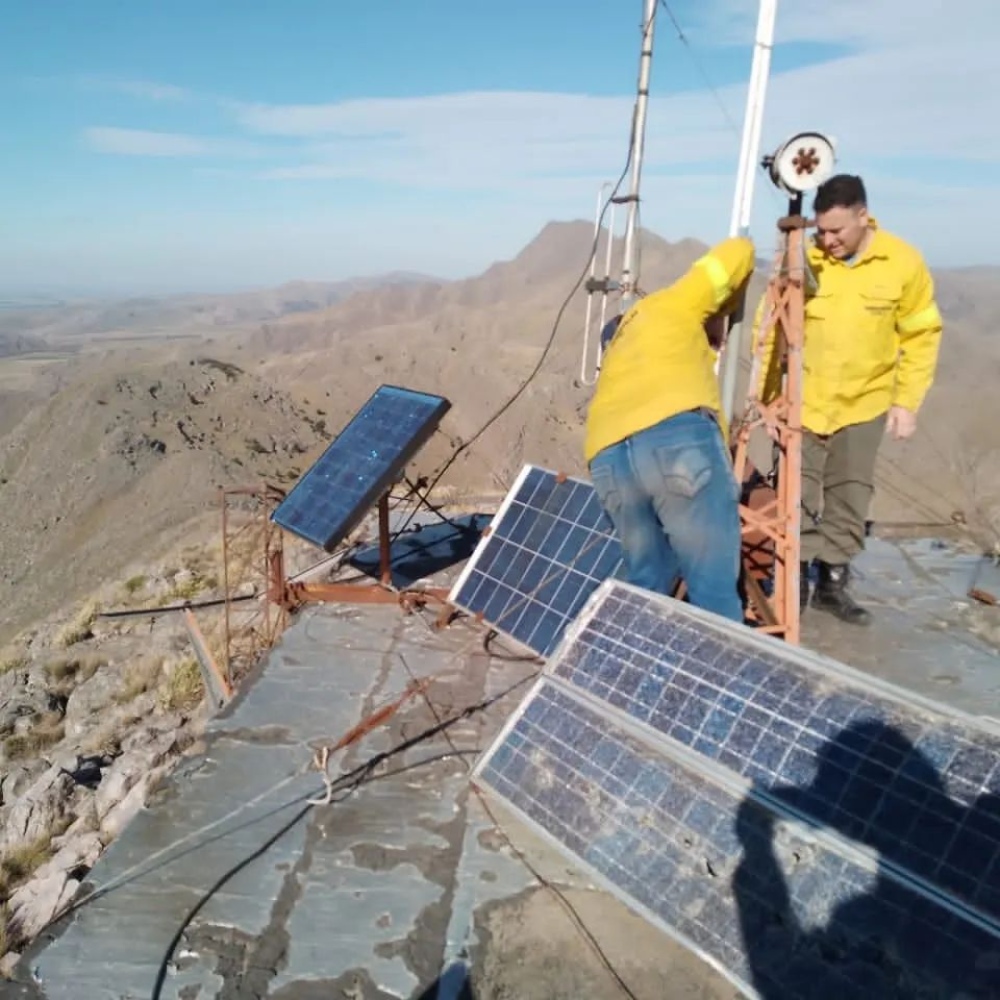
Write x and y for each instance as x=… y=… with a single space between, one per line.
x=827 y=925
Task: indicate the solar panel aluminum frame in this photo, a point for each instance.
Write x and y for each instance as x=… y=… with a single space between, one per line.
x=810 y=660
x=471 y=565
x=799 y=825
x=687 y=760
x=384 y=483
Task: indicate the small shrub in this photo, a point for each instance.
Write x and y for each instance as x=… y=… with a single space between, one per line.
x=66 y=672
x=187 y=589
x=80 y=627
x=184 y=688
x=139 y=678
x=13 y=661
x=134 y=584
x=105 y=739
x=19 y=864
x=46 y=732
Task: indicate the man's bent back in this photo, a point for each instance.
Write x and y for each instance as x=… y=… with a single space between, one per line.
x=655 y=440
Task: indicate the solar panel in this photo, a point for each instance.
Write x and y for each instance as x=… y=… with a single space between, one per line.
x=905 y=776
x=782 y=909
x=360 y=464
x=548 y=548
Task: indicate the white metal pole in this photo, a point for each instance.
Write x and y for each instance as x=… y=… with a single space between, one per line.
x=637 y=143
x=739 y=223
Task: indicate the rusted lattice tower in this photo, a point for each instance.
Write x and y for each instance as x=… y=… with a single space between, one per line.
x=771 y=527
x=251 y=549
x=771 y=518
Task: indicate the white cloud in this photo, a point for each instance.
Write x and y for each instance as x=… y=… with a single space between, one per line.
x=902 y=92
x=145 y=90
x=918 y=84
x=141 y=142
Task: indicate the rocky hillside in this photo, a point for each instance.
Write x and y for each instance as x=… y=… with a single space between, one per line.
x=128 y=447
x=111 y=468
x=477 y=340
x=67 y=322
x=91 y=715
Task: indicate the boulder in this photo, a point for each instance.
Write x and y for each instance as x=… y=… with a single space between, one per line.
x=142 y=751
x=42 y=807
x=20 y=699
x=13 y=781
x=89 y=698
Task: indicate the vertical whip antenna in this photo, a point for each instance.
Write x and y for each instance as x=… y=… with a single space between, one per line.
x=590 y=363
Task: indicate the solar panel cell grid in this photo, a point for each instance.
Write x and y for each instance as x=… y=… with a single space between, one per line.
x=917 y=785
x=665 y=836
x=361 y=463
x=548 y=549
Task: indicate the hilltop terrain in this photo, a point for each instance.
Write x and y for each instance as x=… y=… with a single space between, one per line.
x=108 y=452
x=120 y=421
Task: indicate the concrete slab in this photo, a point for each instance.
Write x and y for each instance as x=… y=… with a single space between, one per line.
x=927 y=635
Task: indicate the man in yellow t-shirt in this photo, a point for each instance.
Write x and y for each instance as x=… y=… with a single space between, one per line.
x=655 y=440
x=870 y=347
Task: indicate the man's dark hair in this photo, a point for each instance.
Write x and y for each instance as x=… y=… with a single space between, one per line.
x=840 y=191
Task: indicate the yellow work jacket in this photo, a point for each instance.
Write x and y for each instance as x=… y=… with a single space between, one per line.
x=659 y=362
x=871 y=336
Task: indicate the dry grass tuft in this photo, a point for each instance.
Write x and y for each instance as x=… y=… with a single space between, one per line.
x=184 y=689
x=13 y=659
x=139 y=678
x=105 y=739
x=68 y=671
x=16 y=867
x=80 y=627
x=48 y=729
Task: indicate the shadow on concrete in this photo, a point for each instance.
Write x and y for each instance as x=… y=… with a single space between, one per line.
x=426 y=549
x=452 y=984
x=890 y=942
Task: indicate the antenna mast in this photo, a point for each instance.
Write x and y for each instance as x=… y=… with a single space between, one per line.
x=590 y=362
x=729 y=357
x=637 y=144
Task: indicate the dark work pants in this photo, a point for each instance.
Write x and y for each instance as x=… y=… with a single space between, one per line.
x=838 y=476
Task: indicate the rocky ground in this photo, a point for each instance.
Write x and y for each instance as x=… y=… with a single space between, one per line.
x=92 y=713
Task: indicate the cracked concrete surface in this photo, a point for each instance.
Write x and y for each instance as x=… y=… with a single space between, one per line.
x=404 y=888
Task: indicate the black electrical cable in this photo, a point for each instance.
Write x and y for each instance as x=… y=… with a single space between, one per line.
x=346 y=782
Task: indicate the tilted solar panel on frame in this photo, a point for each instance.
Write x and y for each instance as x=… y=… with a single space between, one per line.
x=905 y=776
x=547 y=549
x=360 y=464
x=781 y=908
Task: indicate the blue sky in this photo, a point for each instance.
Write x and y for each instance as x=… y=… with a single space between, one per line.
x=210 y=146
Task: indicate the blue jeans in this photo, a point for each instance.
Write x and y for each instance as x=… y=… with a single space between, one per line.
x=673 y=498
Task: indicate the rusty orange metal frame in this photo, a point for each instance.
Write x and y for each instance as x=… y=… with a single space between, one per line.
x=289 y=595
x=771 y=520
x=266 y=623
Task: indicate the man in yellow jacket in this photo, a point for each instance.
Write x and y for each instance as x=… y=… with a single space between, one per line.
x=655 y=442
x=871 y=339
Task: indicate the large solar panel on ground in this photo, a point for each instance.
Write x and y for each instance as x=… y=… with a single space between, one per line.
x=548 y=548
x=361 y=463
x=917 y=782
x=784 y=910
x=669 y=751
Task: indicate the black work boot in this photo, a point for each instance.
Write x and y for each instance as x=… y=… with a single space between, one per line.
x=831 y=594
x=804 y=585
